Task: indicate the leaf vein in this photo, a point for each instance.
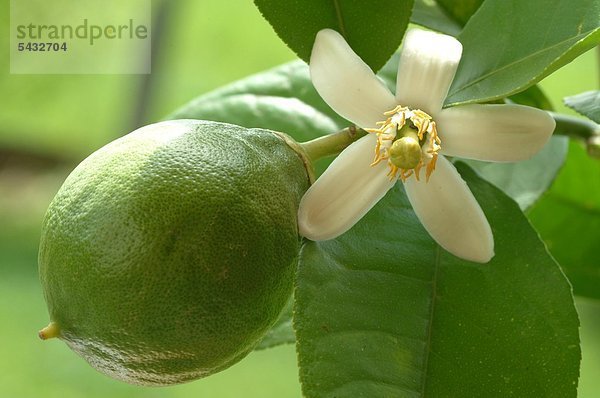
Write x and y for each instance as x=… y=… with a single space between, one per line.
x=332 y=392
x=520 y=60
x=430 y=323
x=394 y=335
x=342 y=265
x=340 y=19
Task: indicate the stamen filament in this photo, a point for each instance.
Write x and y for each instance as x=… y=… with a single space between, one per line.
x=395 y=128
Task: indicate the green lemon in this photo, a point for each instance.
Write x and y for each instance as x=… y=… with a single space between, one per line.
x=168 y=253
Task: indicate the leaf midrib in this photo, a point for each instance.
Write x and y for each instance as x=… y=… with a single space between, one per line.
x=340 y=18
x=520 y=60
x=431 y=317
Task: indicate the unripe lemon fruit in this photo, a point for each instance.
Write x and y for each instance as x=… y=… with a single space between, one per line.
x=167 y=254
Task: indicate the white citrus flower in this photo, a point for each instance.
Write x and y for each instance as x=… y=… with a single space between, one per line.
x=410 y=134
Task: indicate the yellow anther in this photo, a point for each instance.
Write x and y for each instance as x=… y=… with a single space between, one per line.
x=408 y=152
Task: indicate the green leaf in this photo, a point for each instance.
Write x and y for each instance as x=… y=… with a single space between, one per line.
x=510 y=45
x=374 y=29
x=587 y=104
x=445 y=16
x=460 y=10
x=533 y=96
x=526 y=181
x=568 y=219
x=282 y=332
x=382 y=311
x=281 y=99
x=428 y=13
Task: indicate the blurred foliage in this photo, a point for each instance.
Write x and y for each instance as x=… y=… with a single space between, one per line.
x=202 y=48
x=589 y=314
x=47 y=122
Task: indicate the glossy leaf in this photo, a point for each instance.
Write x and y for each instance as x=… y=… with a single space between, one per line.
x=587 y=104
x=445 y=16
x=460 y=10
x=281 y=99
x=526 y=181
x=568 y=219
x=510 y=45
x=429 y=14
x=533 y=96
x=382 y=311
x=374 y=29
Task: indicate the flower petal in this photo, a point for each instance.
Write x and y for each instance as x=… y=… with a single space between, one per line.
x=449 y=212
x=346 y=83
x=427 y=66
x=345 y=192
x=498 y=133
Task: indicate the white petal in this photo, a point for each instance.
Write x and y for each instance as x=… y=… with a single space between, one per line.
x=427 y=66
x=345 y=192
x=346 y=83
x=499 y=133
x=449 y=212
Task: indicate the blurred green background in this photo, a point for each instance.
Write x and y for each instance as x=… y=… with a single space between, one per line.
x=48 y=123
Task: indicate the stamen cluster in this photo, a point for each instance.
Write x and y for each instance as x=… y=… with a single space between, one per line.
x=388 y=133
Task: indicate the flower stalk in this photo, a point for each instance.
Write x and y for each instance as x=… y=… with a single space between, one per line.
x=332 y=144
x=582 y=129
x=575 y=127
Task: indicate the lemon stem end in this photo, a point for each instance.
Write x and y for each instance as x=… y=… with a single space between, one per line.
x=49 y=332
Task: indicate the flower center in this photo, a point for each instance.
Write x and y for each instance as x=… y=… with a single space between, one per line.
x=408 y=140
